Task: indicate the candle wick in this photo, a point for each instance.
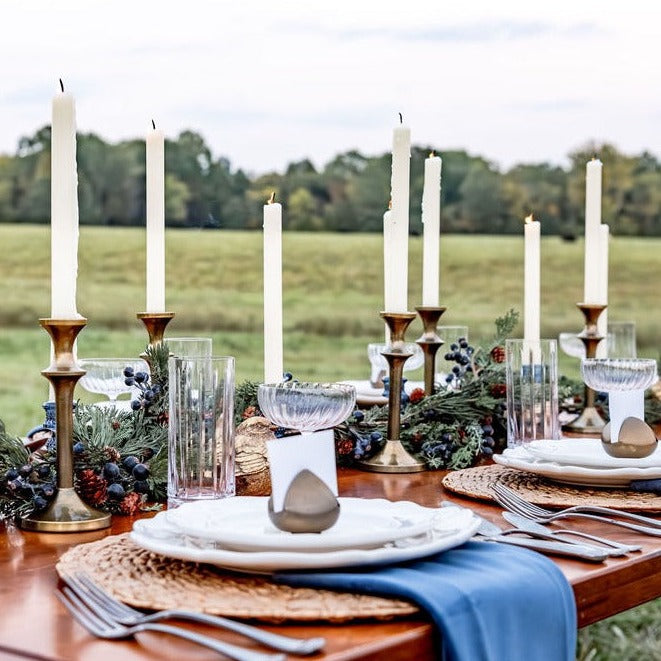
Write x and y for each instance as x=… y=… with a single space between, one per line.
x=61 y=85
x=272 y=198
x=401 y=119
x=153 y=124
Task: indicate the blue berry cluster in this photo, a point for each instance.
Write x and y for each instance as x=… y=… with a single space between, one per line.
x=461 y=354
x=32 y=483
x=365 y=442
x=140 y=380
x=488 y=441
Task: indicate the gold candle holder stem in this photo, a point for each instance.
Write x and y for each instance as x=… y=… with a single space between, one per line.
x=429 y=342
x=588 y=421
x=67 y=512
x=393 y=457
x=155 y=323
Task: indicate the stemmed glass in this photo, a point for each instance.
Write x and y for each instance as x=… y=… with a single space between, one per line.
x=625 y=380
x=105 y=376
x=310 y=505
x=306 y=407
x=380 y=364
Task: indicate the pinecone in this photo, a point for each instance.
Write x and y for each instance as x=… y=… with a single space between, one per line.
x=498 y=354
x=112 y=453
x=131 y=503
x=91 y=487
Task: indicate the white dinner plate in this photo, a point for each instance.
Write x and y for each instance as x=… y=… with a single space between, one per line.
x=242 y=523
x=521 y=459
x=587 y=452
x=452 y=527
x=366 y=395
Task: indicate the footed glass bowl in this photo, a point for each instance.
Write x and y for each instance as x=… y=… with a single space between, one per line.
x=306 y=407
x=611 y=374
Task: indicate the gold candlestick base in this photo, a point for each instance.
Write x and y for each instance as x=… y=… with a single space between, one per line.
x=393 y=457
x=155 y=323
x=67 y=512
x=430 y=342
x=588 y=421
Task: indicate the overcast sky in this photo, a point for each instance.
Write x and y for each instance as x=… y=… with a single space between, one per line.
x=268 y=82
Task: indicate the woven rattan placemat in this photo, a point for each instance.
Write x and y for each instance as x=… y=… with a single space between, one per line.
x=147 y=580
x=476 y=483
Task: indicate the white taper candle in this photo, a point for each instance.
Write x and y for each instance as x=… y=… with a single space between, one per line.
x=64 y=207
x=273 y=352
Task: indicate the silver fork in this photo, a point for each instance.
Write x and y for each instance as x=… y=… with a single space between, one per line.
x=588 y=509
x=101 y=626
x=514 y=502
x=91 y=593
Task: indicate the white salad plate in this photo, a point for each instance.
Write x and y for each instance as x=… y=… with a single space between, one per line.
x=521 y=459
x=452 y=527
x=366 y=395
x=242 y=524
x=588 y=453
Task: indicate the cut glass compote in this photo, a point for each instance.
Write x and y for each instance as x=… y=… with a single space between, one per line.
x=309 y=504
x=625 y=380
x=105 y=376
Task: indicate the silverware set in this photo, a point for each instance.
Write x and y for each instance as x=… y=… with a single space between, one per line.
x=514 y=503
x=105 y=617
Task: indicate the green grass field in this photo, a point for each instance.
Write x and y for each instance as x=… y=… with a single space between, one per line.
x=332 y=294
x=333 y=290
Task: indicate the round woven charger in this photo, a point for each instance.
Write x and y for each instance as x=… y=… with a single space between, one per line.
x=476 y=483
x=147 y=580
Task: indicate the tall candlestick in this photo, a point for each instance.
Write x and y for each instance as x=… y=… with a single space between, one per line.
x=531 y=285
x=399 y=185
x=273 y=360
x=602 y=322
x=64 y=207
x=431 y=222
x=155 y=170
x=591 y=286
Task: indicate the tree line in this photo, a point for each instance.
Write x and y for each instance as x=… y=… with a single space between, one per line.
x=350 y=193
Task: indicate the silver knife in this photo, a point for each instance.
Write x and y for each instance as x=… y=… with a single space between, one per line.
x=490 y=532
x=591 y=553
x=522 y=523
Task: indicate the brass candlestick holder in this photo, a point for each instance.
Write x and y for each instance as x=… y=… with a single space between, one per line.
x=393 y=457
x=67 y=512
x=588 y=421
x=429 y=342
x=155 y=323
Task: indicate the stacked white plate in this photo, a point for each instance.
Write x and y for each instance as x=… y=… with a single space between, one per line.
x=236 y=533
x=580 y=461
x=367 y=395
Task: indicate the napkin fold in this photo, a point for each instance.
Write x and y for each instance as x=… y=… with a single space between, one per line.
x=489 y=602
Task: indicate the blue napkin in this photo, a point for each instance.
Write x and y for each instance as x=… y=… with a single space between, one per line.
x=653 y=486
x=490 y=602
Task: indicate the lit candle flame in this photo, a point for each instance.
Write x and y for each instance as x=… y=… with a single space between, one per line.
x=272 y=198
x=432 y=153
x=389 y=204
x=529 y=218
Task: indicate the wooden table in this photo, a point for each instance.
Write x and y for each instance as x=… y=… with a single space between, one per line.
x=33 y=619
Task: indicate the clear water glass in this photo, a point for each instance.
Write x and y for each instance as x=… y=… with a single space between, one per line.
x=531 y=372
x=306 y=407
x=200 y=428
x=189 y=346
